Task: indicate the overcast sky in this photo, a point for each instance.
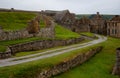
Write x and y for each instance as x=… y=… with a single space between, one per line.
x=75 y=6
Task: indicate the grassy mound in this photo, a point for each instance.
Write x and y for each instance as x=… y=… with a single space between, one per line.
x=11 y=21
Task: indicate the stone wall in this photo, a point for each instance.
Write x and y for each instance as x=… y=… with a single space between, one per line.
x=116 y=69
x=42 y=44
x=5 y=54
x=68 y=64
x=12 y=35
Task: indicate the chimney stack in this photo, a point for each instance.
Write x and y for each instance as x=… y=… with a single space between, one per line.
x=98 y=13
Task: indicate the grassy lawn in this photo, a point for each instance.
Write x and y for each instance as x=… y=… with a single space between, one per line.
x=31 y=69
x=63 y=33
x=88 y=34
x=99 y=66
x=11 y=21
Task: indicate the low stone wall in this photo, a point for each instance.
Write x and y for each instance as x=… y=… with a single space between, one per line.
x=42 y=44
x=116 y=69
x=46 y=33
x=5 y=54
x=12 y=35
x=68 y=64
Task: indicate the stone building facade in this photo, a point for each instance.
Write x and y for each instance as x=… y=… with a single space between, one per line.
x=65 y=18
x=97 y=24
x=82 y=25
x=113 y=27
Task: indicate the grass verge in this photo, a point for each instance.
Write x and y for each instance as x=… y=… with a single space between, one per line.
x=88 y=34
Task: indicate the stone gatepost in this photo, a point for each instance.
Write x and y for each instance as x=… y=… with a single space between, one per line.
x=118 y=61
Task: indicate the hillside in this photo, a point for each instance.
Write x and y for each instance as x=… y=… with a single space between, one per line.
x=11 y=21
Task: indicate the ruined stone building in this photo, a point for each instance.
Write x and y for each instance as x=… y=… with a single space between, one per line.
x=33 y=26
x=113 y=26
x=50 y=12
x=65 y=18
x=82 y=25
x=97 y=24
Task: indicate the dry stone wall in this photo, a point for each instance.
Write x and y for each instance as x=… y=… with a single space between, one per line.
x=68 y=64
x=44 y=33
x=42 y=44
x=37 y=45
x=5 y=54
x=116 y=69
x=12 y=35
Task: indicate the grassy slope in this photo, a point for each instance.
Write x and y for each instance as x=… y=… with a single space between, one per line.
x=99 y=66
x=63 y=33
x=11 y=21
x=88 y=34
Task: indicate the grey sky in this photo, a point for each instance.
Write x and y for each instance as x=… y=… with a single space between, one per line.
x=75 y=6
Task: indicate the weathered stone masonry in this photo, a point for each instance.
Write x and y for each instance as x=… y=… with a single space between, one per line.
x=42 y=44
x=68 y=64
x=37 y=45
x=116 y=69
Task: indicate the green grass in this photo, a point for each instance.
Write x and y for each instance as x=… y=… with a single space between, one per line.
x=31 y=69
x=88 y=34
x=99 y=66
x=63 y=33
x=42 y=24
x=11 y=21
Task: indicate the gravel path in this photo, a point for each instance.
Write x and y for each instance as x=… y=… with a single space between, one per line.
x=50 y=53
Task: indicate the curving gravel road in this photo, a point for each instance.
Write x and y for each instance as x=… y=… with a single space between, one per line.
x=50 y=53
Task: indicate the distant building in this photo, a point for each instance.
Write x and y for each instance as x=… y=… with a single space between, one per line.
x=113 y=27
x=82 y=25
x=97 y=24
x=65 y=18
